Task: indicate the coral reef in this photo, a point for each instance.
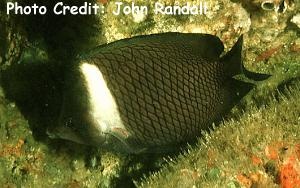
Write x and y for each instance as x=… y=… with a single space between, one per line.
x=296 y=20
x=228 y=25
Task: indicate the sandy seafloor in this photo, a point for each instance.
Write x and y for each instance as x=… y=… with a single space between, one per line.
x=260 y=147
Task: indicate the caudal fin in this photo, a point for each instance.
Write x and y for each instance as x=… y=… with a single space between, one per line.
x=234 y=64
x=254 y=76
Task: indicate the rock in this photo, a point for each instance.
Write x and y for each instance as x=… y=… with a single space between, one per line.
x=296 y=20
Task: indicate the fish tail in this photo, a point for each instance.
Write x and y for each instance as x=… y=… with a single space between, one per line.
x=234 y=64
x=254 y=76
x=233 y=59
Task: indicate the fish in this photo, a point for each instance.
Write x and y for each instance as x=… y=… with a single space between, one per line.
x=151 y=93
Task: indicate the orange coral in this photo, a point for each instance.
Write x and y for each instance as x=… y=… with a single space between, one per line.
x=244 y=180
x=253 y=180
x=289 y=177
x=289 y=173
x=272 y=151
x=12 y=150
x=103 y=1
x=256 y=160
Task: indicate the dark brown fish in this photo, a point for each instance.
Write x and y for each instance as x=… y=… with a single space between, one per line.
x=150 y=93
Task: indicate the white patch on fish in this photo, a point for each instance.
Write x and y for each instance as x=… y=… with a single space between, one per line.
x=103 y=105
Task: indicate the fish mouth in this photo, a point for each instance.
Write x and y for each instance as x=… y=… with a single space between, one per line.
x=111 y=138
x=66 y=133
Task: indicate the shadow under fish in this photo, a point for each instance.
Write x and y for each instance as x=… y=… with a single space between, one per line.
x=148 y=93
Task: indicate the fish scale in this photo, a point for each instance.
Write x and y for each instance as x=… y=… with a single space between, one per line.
x=158 y=91
x=169 y=127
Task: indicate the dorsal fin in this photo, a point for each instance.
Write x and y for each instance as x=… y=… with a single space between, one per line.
x=233 y=59
x=205 y=45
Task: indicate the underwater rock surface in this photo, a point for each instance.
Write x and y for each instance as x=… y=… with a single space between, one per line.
x=261 y=149
x=253 y=142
